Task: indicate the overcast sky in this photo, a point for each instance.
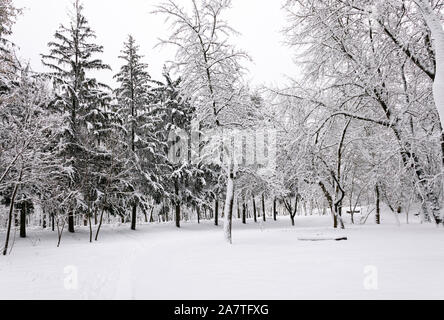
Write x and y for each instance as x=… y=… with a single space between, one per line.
x=258 y=21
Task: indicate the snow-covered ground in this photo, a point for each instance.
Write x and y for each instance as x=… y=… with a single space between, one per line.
x=266 y=261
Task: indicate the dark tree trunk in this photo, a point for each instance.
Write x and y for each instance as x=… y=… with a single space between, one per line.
x=216 y=212
x=71 y=222
x=198 y=214
x=254 y=210
x=100 y=223
x=330 y=203
x=263 y=208
x=23 y=220
x=44 y=223
x=292 y=211
x=90 y=227
x=52 y=222
x=151 y=214
x=11 y=210
x=275 y=209
x=134 y=217
x=378 y=209
x=244 y=213
x=146 y=216
x=177 y=215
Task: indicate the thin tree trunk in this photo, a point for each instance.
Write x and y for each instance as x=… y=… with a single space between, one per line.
x=275 y=209
x=229 y=203
x=151 y=214
x=378 y=209
x=11 y=210
x=216 y=212
x=254 y=210
x=100 y=223
x=60 y=232
x=90 y=227
x=263 y=208
x=23 y=220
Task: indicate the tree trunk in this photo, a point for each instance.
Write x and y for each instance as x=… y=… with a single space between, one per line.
x=90 y=227
x=216 y=212
x=254 y=210
x=100 y=223
x=198 y=214
x=228 y=212
x=263 y=208
x=11 y=210
x=330 y=203
x=23 y=220
x=437 y=33
x=275 y=209
x=134 y=217
x=378 y=209
x=177 y=215
x=244 y=213
x=71 y=222
x=44 y=223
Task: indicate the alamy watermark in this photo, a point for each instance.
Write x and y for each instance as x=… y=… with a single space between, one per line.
x=370 y=278
x=71 y=280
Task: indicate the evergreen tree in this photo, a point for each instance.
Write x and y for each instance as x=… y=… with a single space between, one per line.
x=84 y=101
x=8 y=63
x=185 y=178
x=140 y=127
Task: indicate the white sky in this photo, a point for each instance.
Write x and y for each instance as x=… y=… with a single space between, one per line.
x=258 y=21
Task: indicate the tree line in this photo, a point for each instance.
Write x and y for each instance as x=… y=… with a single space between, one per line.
x=360 y=126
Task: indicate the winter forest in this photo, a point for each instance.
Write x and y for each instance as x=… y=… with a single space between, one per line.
x=334 y=173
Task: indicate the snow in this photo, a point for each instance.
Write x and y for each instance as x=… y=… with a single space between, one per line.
x=266 y=261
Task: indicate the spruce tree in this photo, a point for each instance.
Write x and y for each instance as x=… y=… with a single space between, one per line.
x=135 y=100
x=83 y=100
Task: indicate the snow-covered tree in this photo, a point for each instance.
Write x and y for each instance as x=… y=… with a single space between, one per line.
x=211 y=69
x=29 y=132
x=83 y=100
x=356 y=72
x=134 y=98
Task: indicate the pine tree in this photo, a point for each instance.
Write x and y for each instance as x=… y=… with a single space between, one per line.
x=135 y=100
x=184 y=181
x=84 y=102
x=8 y=63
